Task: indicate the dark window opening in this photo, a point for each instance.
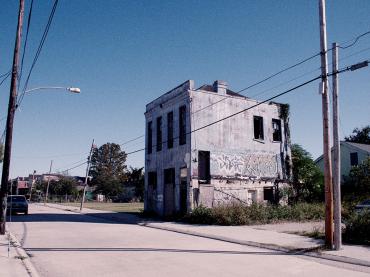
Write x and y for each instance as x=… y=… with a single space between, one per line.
x=354 y=159
x=276 y=129
x=150 y=138
x=268 y=194
x=170 y=130
x=258 y=127
x=204 y=167
x=159 y=133
x=152 y=179
x=182 y=125
x=169 y=176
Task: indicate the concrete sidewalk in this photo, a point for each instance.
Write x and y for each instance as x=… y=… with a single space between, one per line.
x=16 y=264
x=269 y=236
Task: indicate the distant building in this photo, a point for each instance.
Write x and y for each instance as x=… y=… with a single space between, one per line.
x=188 y=163
x=351 y=154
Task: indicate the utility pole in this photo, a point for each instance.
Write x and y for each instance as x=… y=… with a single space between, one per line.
x=47 y=187
x=9 y=121
x=87 y=175
x=336 y=154
x=33 y=180
x=326 y=127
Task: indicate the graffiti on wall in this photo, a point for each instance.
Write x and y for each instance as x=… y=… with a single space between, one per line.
x=251 y=165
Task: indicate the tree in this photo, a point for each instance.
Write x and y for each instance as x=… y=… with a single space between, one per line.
x=360 y=135
x=135 y=178
x=108 y=169
x=308 y=181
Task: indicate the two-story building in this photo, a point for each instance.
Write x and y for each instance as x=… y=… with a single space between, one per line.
x=200 y=152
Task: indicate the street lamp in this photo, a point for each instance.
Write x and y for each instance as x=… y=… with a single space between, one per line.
x=70 y=89
x=9 y=136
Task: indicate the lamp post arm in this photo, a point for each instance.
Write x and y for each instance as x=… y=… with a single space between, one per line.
x=41 y=88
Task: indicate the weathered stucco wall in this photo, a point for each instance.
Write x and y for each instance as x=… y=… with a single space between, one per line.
x=174 y=157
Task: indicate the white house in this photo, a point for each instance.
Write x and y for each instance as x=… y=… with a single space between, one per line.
x=351 y=154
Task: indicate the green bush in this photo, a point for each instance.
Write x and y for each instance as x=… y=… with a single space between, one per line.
x=358 y=228
x=238 y=214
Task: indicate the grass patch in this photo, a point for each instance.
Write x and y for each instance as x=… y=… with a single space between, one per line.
x=134 y=208
x=238 y=214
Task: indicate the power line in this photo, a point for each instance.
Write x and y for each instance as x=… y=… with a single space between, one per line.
x=344 y=69
x=6 y=77
x=131 y=140
x=25 y=42
x=2 y=75
x=356 y=39
x=41 y=44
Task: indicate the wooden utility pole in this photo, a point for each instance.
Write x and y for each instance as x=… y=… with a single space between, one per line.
x=326 y=133
x=9 y=121
x=47 y=187
x=336 y=154
x=86 y=176
x=33 y=180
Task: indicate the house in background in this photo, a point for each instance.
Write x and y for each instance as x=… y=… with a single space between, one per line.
x=351 y=154
x=190 y=161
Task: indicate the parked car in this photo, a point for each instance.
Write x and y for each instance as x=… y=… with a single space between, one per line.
x=365 y=205
x=17 y=204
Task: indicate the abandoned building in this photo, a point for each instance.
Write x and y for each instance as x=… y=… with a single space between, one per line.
x=196 y=155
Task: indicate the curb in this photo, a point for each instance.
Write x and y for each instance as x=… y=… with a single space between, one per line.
x=31 y=270
x=310 y=252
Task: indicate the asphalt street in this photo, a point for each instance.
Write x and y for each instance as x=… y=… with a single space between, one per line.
x=63 y=243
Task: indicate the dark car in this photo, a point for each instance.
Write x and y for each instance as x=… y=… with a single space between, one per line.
x=17 y=204
x=365 y=205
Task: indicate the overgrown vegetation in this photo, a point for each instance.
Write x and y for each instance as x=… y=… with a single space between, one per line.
x=308 y=181
x=358 y=228
x=238 y=214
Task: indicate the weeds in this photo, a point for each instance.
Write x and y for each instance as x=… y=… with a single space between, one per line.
x=238 y=214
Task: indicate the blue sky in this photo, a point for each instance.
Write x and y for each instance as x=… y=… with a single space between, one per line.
x=123 y=54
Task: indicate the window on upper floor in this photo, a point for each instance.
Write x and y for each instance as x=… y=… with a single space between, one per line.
x=258 y=127
x=159 y=134
x=170 y=130
x=276 y=129
x=354 y=159
x=149 y=145
x=182 y=125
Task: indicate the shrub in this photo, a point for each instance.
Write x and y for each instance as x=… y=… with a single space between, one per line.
x=238 y=214
x=200 y=215
x=358 y=228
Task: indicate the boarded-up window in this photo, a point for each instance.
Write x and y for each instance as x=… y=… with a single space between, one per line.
x=182 y=125
x=170 y=130
x=159 y=133
x=276 y=129
x=354 y=159
x=204 y=167
x=258 y=127
x=149 y=138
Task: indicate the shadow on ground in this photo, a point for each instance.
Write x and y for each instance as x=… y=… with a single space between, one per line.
x=106 y=218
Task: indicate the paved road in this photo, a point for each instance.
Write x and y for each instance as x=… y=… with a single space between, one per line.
x=63 y=243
